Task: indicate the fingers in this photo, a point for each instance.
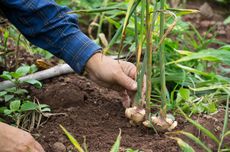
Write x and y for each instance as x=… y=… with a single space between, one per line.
x=38 y=147
x=126 y=102
x=127 y=76
x=126 y=81
x=129 y=69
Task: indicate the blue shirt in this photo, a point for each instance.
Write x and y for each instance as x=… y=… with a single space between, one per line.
x=49 y=26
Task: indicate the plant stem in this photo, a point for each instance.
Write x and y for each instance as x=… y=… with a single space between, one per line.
x=136 y=31
x=101 y=18
x=162 y=60
x=149 y=58
x=17 y=52
x=140 y=67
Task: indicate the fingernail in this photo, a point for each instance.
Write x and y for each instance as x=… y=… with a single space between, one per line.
x=134 y=86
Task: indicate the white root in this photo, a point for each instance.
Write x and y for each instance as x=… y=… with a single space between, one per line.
x=41 y=75
x=135 y=114
x=160 y=124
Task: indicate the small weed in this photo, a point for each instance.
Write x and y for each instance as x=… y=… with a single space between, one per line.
x=17 y=104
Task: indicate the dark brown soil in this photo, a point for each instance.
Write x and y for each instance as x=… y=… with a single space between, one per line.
x=97 y=114
x=210 y=20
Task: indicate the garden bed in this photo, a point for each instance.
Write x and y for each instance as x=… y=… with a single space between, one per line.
x=88 y=110
x=97 y=114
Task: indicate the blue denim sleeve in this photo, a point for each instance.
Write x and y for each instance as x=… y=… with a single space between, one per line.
x=50 y=27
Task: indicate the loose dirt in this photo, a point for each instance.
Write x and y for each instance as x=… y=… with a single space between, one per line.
x=97 y=114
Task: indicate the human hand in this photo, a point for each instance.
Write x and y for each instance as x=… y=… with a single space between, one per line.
x=110 y=73
x=13 y=139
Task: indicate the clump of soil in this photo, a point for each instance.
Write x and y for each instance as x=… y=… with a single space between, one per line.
x=97 y=113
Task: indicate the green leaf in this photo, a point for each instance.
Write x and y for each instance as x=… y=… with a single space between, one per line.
x=11 y=90
x=33 y=68
x=227 y=20
x=6 y=34
x=2 y=109
x=8 y=97
x=6 y=75
x=214 y=55
x=227 y=133
x=200 y=127
x=131 y=150
x=183 y=145
x=16 y=75
x=185 y=93
x=15 y=105
x=2 y=93
x=2 y=120
x=225 y=47
x=72 y=139
x=180 y=12
x=225 y=126
x=21 y=91
x=130 y=5
x=7 y=112
x=211 y=107
x=116 y=145
x=43 y=106
x=195 y=139
x=35 y=83
x=46 y=110
x=28 y=106
x=23 y=70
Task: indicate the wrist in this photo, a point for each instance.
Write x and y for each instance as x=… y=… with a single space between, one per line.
x=93 y=61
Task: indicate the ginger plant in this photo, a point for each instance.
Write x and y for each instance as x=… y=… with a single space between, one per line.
x=145 y=15
x=140 y=112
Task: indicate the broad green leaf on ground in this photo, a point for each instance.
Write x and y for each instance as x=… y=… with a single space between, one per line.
x=21 y=91
x=27 y=106
x=35 y=83
x=11 y=90
x=8 y=97
x=15 y=105
x=2 y=93
x=17 y=75
x=116 y=145
x=23 y=70
x=2 y=109
x=6 y=75
x=7 y=112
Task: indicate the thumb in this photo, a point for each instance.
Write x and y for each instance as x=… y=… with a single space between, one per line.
x=126 y=82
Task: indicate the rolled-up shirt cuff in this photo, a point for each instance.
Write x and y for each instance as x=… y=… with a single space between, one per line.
x=84 y=49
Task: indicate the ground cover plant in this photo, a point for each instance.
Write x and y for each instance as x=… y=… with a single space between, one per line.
x=16 y=102
x=186 y=70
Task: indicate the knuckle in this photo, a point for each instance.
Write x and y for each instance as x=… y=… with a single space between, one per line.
x=116 y=73
x=28 y=139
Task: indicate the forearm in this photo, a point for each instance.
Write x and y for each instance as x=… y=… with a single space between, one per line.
x=48 y=26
